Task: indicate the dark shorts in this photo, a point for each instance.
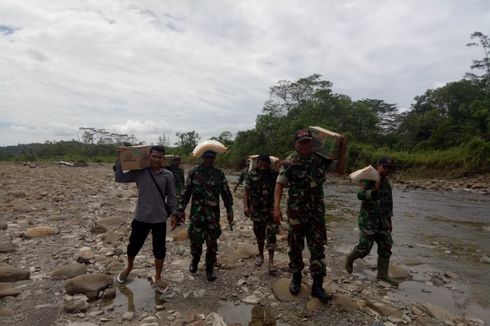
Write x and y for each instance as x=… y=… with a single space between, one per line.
x=139 y=233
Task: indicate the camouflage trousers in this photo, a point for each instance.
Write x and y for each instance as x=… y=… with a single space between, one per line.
x=265 y=230
x=309 y=224
x=374 y=229
x=205 y=228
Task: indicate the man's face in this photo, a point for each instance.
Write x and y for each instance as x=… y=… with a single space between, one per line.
x=208 y=161
x=156 y=159
x=175 y=163
x=384 y=170
x=263 y=165
x=304 y=147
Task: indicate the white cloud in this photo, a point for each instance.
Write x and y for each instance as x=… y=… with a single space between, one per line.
x=148 y=67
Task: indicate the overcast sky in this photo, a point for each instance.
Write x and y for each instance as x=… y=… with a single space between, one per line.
x=147 y=67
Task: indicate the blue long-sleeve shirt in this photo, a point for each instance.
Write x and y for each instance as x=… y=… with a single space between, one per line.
x=150 y=207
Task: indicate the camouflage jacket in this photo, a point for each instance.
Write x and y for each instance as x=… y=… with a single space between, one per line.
x=369 y=205
x=179 y=178
x=385 y=199
x=260 y=186
x=205 y=185
x=305 y=177
x=376 y=204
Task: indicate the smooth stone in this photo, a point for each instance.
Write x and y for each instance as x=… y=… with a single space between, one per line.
x=69 y=271
x=88 y=284
x=280 y=288
x=39 y=232
x=6 y=247
x=437 y=312
x=397 y=272
x=11 y=274
x=85 y=254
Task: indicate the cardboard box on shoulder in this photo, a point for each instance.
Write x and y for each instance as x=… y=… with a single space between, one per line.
x=135 y=157
x=330 y=145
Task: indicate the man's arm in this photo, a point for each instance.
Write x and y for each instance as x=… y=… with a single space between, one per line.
x=186 y=193
x=227 y=200
x=120 y=176
x=277 y=202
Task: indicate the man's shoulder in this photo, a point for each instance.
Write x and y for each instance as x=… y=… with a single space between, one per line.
x=293 y=157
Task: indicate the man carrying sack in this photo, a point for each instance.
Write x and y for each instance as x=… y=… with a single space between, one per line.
x=205 y=183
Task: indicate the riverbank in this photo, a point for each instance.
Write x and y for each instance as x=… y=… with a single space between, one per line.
x=59 y=221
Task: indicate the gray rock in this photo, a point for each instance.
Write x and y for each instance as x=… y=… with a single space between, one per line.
x=7 y=246
x=69 y=271
x=76 y=304
x=11 y=274
x=88 y=284
x=485 y=260
x=85 y=254
x=3 y=225
x=437 y=312
x=128 y=315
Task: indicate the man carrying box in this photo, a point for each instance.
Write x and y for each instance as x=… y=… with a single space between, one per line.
x=156 y=201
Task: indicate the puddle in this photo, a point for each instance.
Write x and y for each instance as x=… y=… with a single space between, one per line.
x=251 y=315
x=136 y=295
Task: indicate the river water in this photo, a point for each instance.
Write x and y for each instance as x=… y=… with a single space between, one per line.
x=434 y=232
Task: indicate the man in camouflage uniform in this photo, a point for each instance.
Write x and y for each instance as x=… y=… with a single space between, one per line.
x=242 y=176
x=375 y=222
x=178 y=173
x=205 y=183
x=304 y=172
x=258 y=202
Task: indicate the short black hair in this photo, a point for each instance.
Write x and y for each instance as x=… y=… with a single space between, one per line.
x=264 y=158
x=159 y=149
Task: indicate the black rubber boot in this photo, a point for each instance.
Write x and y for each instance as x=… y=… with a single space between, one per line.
x=383 y=266
x=349 y=261
x=295 y=285
x=210 y=274
x=194 y=264
x=317 y=290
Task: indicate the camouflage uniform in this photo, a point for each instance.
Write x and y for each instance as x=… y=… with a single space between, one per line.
x=179 y=178
x=375 y=220
x=205 y=185
x=260 y=186
x=306 y=209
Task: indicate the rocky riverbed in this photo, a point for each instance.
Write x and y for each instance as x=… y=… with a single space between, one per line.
x=63 y=234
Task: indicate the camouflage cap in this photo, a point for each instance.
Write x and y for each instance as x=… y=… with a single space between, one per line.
x=303 y=134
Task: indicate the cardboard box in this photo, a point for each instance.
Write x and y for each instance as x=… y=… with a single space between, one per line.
x=330 y=145
x=135 y=157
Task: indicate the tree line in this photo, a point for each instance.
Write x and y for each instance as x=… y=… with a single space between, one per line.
x=446 y=127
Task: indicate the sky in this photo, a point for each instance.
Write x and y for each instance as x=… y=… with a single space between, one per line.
x=147 y=67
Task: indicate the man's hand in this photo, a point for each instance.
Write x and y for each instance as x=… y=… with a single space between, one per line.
x=247 y=211
x=229 y=217
x=277 y=215
x=173 y=221
x=181 y=216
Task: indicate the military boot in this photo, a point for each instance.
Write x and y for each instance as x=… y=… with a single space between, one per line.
x=210 y=273
x=194 y=264
x=383 y=265
x=349 y=261
x=295 y=285
x=317 y=290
